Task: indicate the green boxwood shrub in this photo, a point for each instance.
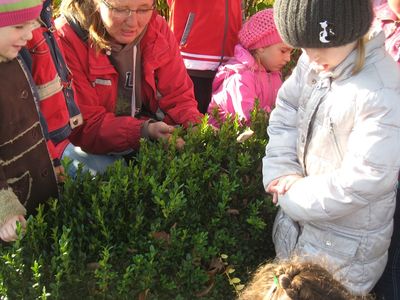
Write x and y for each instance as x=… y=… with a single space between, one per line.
x=155 y=229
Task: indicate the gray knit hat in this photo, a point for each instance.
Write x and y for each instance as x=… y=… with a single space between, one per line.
x=322 y=23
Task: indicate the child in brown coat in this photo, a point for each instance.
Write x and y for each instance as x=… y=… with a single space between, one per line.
x=26 y=171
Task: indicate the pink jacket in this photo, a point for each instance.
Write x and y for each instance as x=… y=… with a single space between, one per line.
x=237 y=85
x=376 y=3
x=386 y=20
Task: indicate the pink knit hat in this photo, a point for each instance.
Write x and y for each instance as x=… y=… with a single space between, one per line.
x=13 y=12
x=259 y=31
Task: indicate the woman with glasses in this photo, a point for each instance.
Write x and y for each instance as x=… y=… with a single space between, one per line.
x=129 y=77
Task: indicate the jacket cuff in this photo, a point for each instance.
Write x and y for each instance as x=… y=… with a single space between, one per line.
x=9 y=205
x=56 y=162
x=144 y=130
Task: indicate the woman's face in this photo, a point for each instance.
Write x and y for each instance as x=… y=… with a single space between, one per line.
x=125 y=20
x=274 y=57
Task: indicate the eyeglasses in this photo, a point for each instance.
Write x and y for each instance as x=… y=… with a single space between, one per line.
x=123 y=13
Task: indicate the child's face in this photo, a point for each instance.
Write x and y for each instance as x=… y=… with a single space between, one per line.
x=395 y=6
x=274 y=57
x=326 y=59
x=13 y=38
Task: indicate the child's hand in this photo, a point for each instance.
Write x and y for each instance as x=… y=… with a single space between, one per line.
x=60 y=173
x=8 y=230
x=285 y=183
x=281 y=185
x=271 y=189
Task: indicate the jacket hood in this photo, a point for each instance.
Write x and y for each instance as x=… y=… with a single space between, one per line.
x=242 y=61
x=243 y=58
x=154 y=42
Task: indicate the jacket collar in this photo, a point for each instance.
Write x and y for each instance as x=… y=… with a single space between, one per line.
x=154 y=45
x=244 y=60
x=385 y=14
x=244 y=57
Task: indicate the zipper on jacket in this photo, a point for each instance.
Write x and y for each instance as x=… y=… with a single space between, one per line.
x=332 y=130
x=187 y=29
x=226 y=25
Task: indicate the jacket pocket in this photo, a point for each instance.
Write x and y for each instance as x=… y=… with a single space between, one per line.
x=329 y=241
x=336 y=250
x=101 y=81
x=332 y=131
x=105 y=91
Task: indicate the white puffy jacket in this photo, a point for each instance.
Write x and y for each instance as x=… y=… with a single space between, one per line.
x=342 y=133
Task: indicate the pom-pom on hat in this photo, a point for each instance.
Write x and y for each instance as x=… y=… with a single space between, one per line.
x=13 y=12
x=322 y=23
x=259 y=31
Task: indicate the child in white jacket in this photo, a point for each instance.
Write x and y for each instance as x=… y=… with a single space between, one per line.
x=332 y=160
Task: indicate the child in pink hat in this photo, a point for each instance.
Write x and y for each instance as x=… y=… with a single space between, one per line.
x=253 y=73
x=17 y=20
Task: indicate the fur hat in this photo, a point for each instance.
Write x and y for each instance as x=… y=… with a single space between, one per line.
x=14 y=12
x=322 y=23
x=259 y=31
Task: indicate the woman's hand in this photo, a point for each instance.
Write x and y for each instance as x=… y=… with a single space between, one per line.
x=161 y=130
x=8 y=232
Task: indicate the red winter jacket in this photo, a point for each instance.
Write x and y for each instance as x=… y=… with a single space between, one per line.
x=50 y=89
x=53 y=81
x=206 y=30
x=165 y=86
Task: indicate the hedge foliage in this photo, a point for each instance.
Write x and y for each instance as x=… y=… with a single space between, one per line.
x=174 y=224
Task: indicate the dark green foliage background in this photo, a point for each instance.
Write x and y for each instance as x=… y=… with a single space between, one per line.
x=250 y=7
x=155 y=228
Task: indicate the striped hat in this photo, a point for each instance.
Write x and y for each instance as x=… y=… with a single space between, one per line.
x=14 y=12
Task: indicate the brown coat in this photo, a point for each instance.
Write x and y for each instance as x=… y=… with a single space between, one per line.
x=26 y=170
